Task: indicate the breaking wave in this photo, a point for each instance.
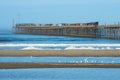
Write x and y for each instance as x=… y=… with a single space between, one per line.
x=89 y=45
x=9 y=41
x=31 y=48
x=60 y=46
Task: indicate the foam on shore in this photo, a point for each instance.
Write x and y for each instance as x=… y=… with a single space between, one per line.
x=61 y=46
x=31 y=48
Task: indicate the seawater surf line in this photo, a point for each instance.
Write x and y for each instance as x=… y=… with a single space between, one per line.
x=100 y=45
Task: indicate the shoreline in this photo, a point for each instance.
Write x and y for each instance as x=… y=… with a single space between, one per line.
x=61 y=53
x=55 y=65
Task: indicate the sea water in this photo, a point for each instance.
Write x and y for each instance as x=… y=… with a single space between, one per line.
x=10 y=41
x=61 y=74
x=110 y=60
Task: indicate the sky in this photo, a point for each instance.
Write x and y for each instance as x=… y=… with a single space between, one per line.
x=58 y=11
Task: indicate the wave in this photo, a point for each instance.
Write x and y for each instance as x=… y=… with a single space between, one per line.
x=117 y=48
x=92 y=48
x=79 y=48
x=54 y=45
x=34 y=48
x=31 y=48
x=60 y=46
x=68 y=48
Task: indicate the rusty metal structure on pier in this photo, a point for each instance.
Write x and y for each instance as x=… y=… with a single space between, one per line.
x=91 y=29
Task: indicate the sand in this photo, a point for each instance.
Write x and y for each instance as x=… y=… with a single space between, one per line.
x=58 y=53
x=61 y=53
x=55 y=65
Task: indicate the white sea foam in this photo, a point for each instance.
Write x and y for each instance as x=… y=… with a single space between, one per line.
x=108 y=48
x=79 y=48
x=117 y=48
x=86 y=48
x=64 y=46
x=71 y=47
x=31 y=48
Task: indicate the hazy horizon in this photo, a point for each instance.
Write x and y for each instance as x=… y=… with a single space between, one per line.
x=53 y=11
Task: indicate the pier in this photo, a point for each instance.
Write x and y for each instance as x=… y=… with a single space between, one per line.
x=92 y=30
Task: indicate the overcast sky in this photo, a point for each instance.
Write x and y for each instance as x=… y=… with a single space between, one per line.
x=58 y=11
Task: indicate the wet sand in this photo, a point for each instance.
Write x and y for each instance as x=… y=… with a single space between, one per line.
x=61 y=53
x=55 y=65
x=58 y=53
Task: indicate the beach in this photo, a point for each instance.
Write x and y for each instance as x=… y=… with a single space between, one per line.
x=61 y=53
x=58 y=53
x=56 y=65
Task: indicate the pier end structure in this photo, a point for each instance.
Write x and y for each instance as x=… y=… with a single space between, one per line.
x=109 y=31
x=91 y=29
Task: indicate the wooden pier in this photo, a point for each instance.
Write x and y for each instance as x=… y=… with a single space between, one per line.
x=92 y=30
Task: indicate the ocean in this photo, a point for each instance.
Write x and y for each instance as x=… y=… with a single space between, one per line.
x=10 y=41
x=60 y=74
x=108 y=60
